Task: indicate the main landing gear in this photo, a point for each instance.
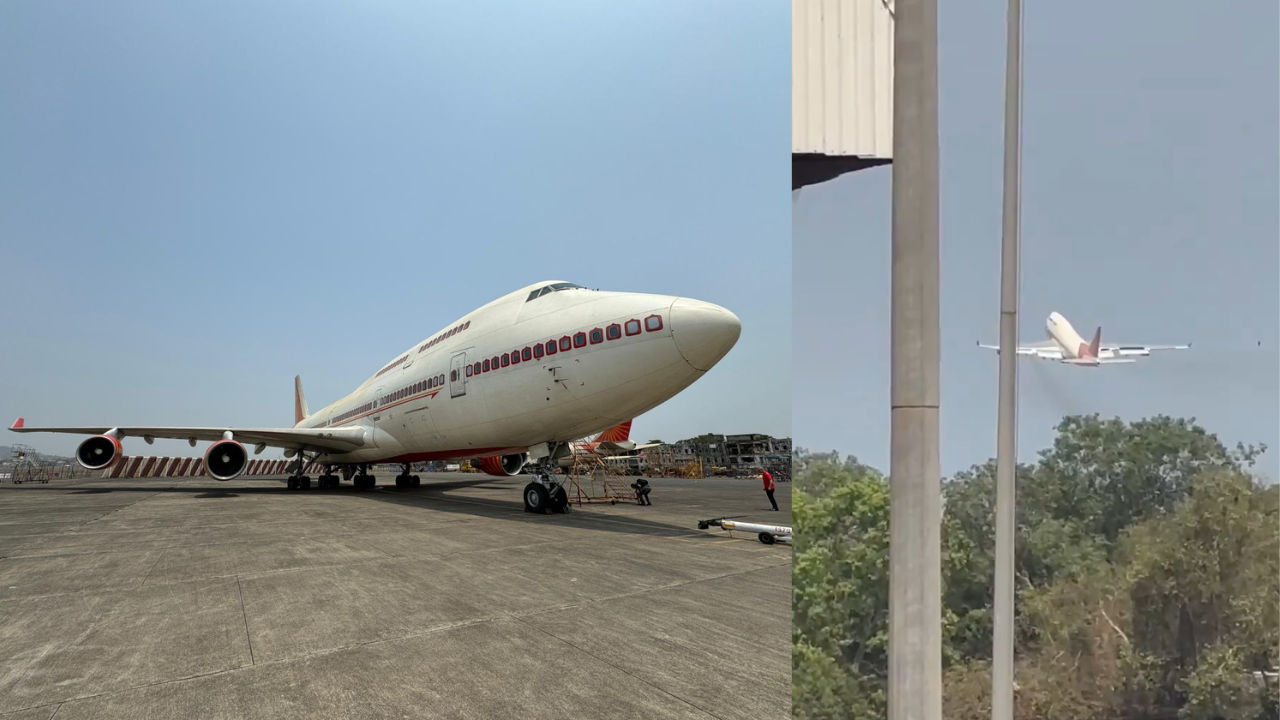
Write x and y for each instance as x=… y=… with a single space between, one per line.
x=545 y=494
x=405 y=480
x=327 y=481
x=298 y=481
x=363 y=480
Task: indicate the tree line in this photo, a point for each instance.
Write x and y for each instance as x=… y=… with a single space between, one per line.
x=1147 y=580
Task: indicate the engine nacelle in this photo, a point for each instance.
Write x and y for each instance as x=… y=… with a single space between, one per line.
x=226 y=460
x=98 y=452
x=501 y=465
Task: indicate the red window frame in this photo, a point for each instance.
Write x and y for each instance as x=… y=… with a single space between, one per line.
x=537 y=351
x=566 y=343
x=551 y=347
x=627 y=328
x=592 y=336
x=653 y=329
x=515 y=357
x=506 y=359
x=613 y=332
x=477 y=367
x=526 y=354
x=579 y=340
x=468 y=371
x=486 y=365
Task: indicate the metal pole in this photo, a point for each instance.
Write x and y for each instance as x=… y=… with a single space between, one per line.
x=915 y=516
x=1007 y=424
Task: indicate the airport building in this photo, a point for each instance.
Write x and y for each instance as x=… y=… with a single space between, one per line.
x=841 y=88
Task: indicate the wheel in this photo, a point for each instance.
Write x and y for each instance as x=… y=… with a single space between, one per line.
x=559 y=499
x=293 y=483
x=766 y=538
x=416 y=481
x=536 y=499
x=399 y=481
x=306 y=483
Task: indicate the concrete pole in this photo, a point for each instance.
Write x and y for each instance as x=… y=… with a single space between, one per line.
x=1007 y=422
x=915 y=516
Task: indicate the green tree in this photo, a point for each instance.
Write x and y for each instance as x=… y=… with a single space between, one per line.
x=840 y=587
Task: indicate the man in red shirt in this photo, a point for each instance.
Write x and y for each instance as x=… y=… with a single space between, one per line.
x=768 y=487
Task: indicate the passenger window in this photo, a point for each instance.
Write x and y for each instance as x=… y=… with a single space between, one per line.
x=633 y=327
x=506 y=359
x=525 y=354
x=486 y=365
x=564 y=343
x=579 y=339
x=614 y=331
x=537 y=351
x=551 y=347
x=515 y=357
x=597 y=336
x=653 y=323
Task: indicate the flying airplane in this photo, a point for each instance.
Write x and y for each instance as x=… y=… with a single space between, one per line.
x=509 y=383
x=605 y=445
x=1066 y=346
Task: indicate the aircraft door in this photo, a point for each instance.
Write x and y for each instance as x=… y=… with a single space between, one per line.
x=457 y=375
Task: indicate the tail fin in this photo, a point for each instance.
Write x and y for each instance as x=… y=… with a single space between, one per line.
x=300 y=411
x=617 y=433
x=1097 y=342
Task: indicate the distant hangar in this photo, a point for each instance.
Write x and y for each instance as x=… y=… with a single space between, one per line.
x=841 y=88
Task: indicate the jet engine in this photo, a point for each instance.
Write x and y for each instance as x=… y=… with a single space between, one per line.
x=98 y=452
x=226 y=460
x=501 y=465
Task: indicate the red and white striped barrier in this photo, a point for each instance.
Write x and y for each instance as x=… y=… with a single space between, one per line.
x=139 y=466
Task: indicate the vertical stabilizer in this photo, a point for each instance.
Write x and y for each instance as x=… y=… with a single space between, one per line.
x=1096 y=345
x=618 y=433
x=300 y=411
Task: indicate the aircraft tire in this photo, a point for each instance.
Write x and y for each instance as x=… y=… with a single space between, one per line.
x=536 y=499
x=766 y=538
x=559 y=500
x=305 y=483
x=292 y=484
x=416 y=481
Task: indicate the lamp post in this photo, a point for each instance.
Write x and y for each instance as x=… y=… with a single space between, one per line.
x=1006 y=423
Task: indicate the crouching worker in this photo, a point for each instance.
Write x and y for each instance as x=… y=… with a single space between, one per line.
x=641 y=486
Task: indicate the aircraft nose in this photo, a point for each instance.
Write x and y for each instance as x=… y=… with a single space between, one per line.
x=704 y=333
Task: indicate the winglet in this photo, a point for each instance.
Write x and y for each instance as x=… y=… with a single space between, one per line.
x=19 y=423
x=1096 y=345
x=300 y=412
x=618 y=433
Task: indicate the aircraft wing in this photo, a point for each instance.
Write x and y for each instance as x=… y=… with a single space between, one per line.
x=336 y=439
x=1121 y=349
x=1047 y=349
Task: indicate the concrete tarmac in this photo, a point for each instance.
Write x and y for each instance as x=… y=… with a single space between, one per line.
x=192 y=598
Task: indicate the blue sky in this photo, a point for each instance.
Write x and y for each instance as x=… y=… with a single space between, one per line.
x=200 y=200
x=1149 y=208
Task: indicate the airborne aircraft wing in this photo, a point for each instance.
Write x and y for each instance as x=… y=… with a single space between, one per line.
x=1136 y=347
x=1046 y=349
x=339 y=439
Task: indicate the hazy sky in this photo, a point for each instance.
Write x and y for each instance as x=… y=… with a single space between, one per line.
x=200 y=200
x=1149 y=208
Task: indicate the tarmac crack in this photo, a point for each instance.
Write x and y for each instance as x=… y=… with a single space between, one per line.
x=245 y=614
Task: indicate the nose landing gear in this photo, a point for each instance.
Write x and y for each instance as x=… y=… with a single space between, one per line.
x=545 y=493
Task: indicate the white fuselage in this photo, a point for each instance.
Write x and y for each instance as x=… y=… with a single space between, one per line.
x=585 y=361
x=1065 y=336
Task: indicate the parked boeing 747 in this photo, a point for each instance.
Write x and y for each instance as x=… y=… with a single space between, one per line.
x=1066 y=346
x=509 y=383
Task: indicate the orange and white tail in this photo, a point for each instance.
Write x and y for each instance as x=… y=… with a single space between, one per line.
x=1096 y=345
x=300 y=411
x=618 y=433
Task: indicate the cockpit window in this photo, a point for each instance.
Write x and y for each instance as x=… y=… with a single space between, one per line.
x=554 y=287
